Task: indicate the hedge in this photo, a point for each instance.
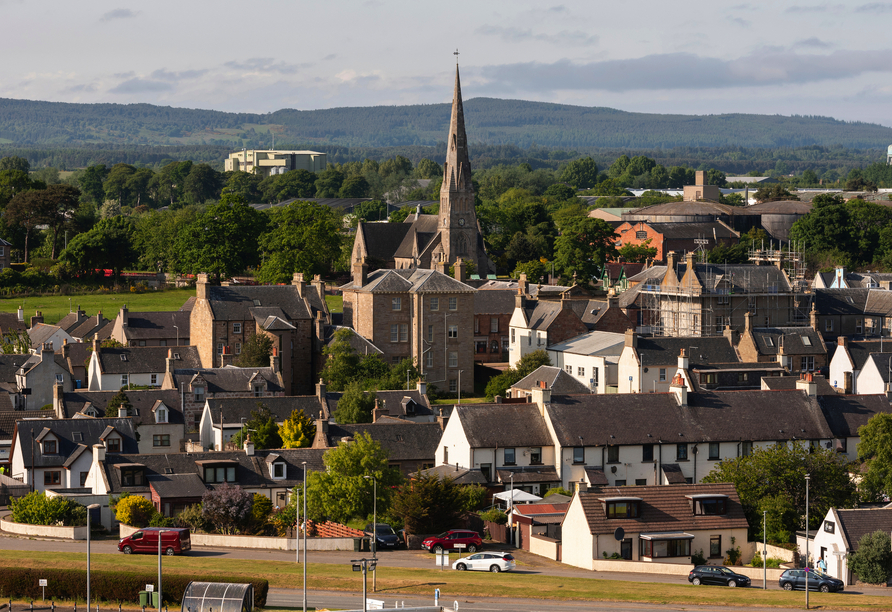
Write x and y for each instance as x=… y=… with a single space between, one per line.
x=22 y=583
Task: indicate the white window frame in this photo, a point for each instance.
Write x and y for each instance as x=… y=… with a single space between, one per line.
x=494 y=325
x=236 y=328
x=394 y=332
x=125 y=380
x=453 y=359
x=404 y=332
x=453 y=331
x=453 y=303
x=153 y=379
x=435 y=303
x=396 y=303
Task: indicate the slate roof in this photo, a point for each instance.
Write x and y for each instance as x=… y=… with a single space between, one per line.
x=701 y=350
x=775 y=383
x=459 y=475
x=382 y=239
x=742 y=277
x=10 y=321
x=840 y=301
x=494 y=301
x=673 y=474
x=592 y=343
x=663 y=509
x=72 y=320
x=157 y=325
x=541 y=314
x=177 y=485
x=639 y=282
x=90 y=327
x=42 y=332
x=143 y=400
x=690 y=231
x=236 y=302
x=395 y=402
x=860 y=350
x=879 y=301
x=596 y=476
x=615 y=267
x=404 y=440
x=236 y=408
x=414 y=280
x=189 y=304
x=90 y=430
x=146 y=359
x=419 y=234
x=9 y=365
x=795 y=340
x=856 y=523
x=557 y=379
x=529 y=474
x=533 y=289
x=229 y=379
x=846 y=413
x=361 y=345
x=685 y=209
x=492 y=425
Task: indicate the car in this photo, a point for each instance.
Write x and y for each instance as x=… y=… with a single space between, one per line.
x=494 y=562
x=385 y=536
x=717 y=574
x=817 y=581
x=447 y=541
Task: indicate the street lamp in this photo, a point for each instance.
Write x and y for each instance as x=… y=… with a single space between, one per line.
x=160 y=535
x=374 y=532
x=459 y=386
x=764 y=550
x=807 y=479
x=89 y=508
x=304 y=463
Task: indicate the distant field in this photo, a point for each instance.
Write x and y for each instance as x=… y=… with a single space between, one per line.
x=56 y=307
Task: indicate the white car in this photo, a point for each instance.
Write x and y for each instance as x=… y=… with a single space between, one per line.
x=488 y=562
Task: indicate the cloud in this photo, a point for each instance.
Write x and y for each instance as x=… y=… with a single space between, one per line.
x=676 y=71
x=742 y=7
x=121 y=13
x=814 y=42
x=560 y=8
x=264 y=64
x=329 y=57
x=516 y=35
x=83 y=88
x=741 y=22
x=138 y=86
x=875 y=7
x=164 y=75
x=814 y=8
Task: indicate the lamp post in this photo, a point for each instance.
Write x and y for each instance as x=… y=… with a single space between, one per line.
x=374 y=532
x=511 y=507
x=764 y=550
x=807 y=479
x=459 y=386
x=89 y=508
x=304 y=463
x=160 y=534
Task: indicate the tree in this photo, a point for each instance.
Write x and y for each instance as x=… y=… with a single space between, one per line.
x=15 y=163
x=581 y=173
x=428 y=169
x=535 y=270
x=27 y=209
x=293 y=184
x=355 y=405
x=531 y=362
x=872 y=562
x=13 y=182
x=304 y=237
x=328 y=182
x=427 y=504
x=638 y=253
x=15 y=342
x=134 y=510
x=298 y=430
x=201 y=184
x=60 y=202
x=354 y=187
x=262 y=428
x=245 y=185
x=256 y=352
x=119 y=405
x=110 y=244
x=875 y=450
x=341 y=492
x=227 y=507
x=373 y=210
x=341 y=360
x=583 y=247
x=116 y=183
x=91 y=180
x=779 y=472
x=772 y=193
x=527 y=364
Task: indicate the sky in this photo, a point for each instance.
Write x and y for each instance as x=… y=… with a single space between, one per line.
x=783 y=57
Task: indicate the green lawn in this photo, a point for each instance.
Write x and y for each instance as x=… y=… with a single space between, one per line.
x=335 y=303
x=57 y=306
x=394 y=581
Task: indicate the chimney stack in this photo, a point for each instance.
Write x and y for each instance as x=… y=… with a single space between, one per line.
x=275 y=360
x=842 y=341
x=360 y=273
x=66 y=350
x=169 y=365
x=201 y=286
x=421 y=386
x=671 y=260
x=124 y=313
x=581 y=486
x=631 y=339
x=807 y=383
x=249 y=445
x=321 y=390
x=520 y=300
x=680 y=390
x=522 y=284
x=298 y=281
x=21 y=314
x=37 y=318
x=97 y=344
x=98 y=453
x=683 y=360
x=700 y=177
x=459 y=269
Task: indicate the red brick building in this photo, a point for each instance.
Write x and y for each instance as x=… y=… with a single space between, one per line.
x=678 y=237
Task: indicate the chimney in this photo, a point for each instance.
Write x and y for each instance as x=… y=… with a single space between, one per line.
x=321 y=390
x=98 y=453
x=21 y=314
x=683 y=360
x=732 y=336
x=275 y=360
x=58 y=393
x=700 y=177
x=680 y=390
x=66 y=350
x=631 y=338
x=612 y=301
x=440 y=267
x=360 y=273
x=319 y=284
x=541 y=395
x=522 y=285
x=37 y=318
x=520 y=300
x=201 y=286
x=813 y=318
x=97 y=345
x=497 y=399
x=249 y=445
x=842 y=341
x=689 y=260
x=298 y=281
x=441 y=420
x=47 y=347
x=580 y=487
x=807 y=383
x=421 y=386
x=379 y=410
x=124 y=313
x=459 y=269
x=671 y=260
x=169 y=365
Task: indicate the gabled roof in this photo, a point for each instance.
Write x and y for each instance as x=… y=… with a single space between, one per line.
x=663 y=509
x=856 y=523
x=775 y=383
x=157 y=325
x=740 y=277
x=142 y=401
x=404 y=440
x=528 y=474
x=413 y=280
x=690 y=231
x=557 y=380
x=90 y=327
x=860 y=350
x=532 y=290
x=177 y=485
x=146 y=359
x=501 y=425
x=418 y=234
x=599 y=343
x=361 y=345
x=673 y=474
x=795 y=340
x=229 y=379
x=9 y=321
x=664 y=350
x=382 y=239
x=234 y=303
x=42 y=332
x=840 y=301
x=89 y=432
x=846 y=413
x=541 y=314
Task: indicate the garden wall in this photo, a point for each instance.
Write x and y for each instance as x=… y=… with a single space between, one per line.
x=545 y=547
x=261 y=542
x=45 y=531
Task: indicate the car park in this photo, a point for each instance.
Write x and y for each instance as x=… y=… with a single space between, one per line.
x=385 y=536
x=449 y=539
x=794 y=579
x=717 y=574
x=488 y=562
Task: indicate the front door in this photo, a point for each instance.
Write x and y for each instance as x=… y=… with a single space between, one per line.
x=626 y=549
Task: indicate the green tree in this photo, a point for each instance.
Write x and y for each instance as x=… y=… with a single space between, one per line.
x=91 y=181
x=638 y=253
x=170 y=182
x=582 y=248
x=15 y=163
x=398 y=165
x=354 y=187
x=373 y=210
x=116 y=183
x=298 y=430
x=581 y=173
x=262 y=427
x=779 y=471
x=13 y=182
x=244 y=185
x=341 y=360
x=535 y=270
x=341 y=492
x=256 y=351
x=427 y=504
x=875 y=450
x=202 y=183
x=328 y=182
x=355 y=405
x=119 y=405
x=294 y=184
x=304 y=237
x=111 y=244
x=27 y=210
x=772 y=193
x=872 y=561
x=60 y=203
x=428 y=169
x=527 y=364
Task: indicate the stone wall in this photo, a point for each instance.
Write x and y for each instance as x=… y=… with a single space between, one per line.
x=43 y=531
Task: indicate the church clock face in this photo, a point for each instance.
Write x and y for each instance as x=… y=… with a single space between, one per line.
x=461 y=221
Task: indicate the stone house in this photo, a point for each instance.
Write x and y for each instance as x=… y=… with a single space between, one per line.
x=492 y=315
x=797 y=349
x=151 y=328
x=37 y=377
x=111 y=369
x=853 y=312
x=537 y=324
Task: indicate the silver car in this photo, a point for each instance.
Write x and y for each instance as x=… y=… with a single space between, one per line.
x=488 y=562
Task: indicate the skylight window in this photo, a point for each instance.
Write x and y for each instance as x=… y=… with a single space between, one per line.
x=257 y=302
x=806 y=340
x=768 y=341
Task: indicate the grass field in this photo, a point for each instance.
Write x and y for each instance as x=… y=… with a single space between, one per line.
x=57 y=306
x=335 y=303
x=394 y=581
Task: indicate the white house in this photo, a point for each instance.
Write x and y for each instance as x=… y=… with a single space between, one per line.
x=841 y=532
x=113 y=368
x=38 y=376
x=41 y=334
x=850 y=358
x=876 y=374
x=592 y=358
x=535 y=324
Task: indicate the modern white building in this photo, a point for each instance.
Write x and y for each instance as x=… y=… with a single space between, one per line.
x=267 y=162
x=592 y=358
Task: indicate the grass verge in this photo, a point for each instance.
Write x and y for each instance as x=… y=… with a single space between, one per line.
x=55 y=307
x=395 y=581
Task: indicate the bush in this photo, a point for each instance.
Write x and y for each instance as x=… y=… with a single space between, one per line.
x=22 y=583
x=159 y=520
x=773 y=562
x=260 y=511
x=192 y=518
x=494 y=515
x=873 y=559
x=38 y=509
x=227 y=508
x=135 y=511
x=697 y=558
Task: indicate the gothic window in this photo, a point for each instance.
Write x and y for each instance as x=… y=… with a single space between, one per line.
x=462 y=245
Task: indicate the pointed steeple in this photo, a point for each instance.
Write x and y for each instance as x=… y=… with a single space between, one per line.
x=458 y=166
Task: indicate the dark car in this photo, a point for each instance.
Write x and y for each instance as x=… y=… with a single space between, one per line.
x=385 y=536
x=448 y=540
x=717 y=574
x=795 y=579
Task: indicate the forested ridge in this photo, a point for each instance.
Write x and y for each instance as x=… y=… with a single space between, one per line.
x=489 y=121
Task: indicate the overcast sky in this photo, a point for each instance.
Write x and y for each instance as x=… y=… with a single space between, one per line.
x=782 y=57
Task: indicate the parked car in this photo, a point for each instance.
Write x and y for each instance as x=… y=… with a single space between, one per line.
x=717 y=574
x=817 y=581
x=385 y=536
x=488 y=562
x=447 y=541
x=173 y=541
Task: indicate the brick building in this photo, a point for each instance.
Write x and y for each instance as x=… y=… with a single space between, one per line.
x=492 y=316
x=679 y=237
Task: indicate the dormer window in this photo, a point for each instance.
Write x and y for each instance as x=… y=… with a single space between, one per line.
x=622 y=507
x=132 y=475
x=113 y=445
x=258 y=390
x=161 y=415
x=49 y=447
x=277 y=470
x=708 y=505
x=219 y=473
x=199 y=393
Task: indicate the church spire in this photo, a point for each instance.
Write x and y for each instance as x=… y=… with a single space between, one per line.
x=458 y=166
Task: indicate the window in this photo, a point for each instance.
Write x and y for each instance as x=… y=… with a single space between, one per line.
x=828 y=325
x=568 y=369
x=238 y=348
x=113 y=445
x=132 y=477
x=161 y=440
x=162 y=343
x=768 y=340
x=829 y=526
x=125 y=380
x=52 y=478
x=595 y=376
x=711 y=507
x=445 y=454
x=859 y=326
x=60 y=379
x=612 y=454
x=708 y=379
x=681 y=452
x=806 y=341
x=620 y=482
x=807 y=364
x=395 y=332
x=746 y=449
x=161 y=415
x=404 y=332
x=453 y=385
x=536 y=456
x=430 y=333
x=430 y=360
x=662 y=374
x=220 y=348
x=453 y=303
x=508 y=456
x=435 y=303
x=714 y=451
x=493 y=325
x=623 y=509
x=153 y=379
x=219 y=474
x=579 y=454
x=476 y=325
x=453 y=331
x=512 y=335
x=580 y=371
x=453 y=360
x=278 y=470
x=665 y=548
x=2 y=251
x=715 y=546
x=236 y=328
x=84 y=478
x=49 y=447
x=640 y=482
x=647 y=452
x=742 y=376
x=397 y=304
x=258 y=390
x=142 y=343
x=199 y=393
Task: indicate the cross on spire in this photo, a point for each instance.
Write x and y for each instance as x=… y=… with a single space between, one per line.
x=456 y=56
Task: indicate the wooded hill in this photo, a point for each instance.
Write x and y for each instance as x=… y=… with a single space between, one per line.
x=490 y=121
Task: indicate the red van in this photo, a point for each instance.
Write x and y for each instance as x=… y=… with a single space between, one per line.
x=173 y=541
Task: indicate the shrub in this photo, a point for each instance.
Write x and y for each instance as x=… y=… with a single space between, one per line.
x=38 y=509
x=260 y=511
x=873 y=559
x=192 y=518
x=495 y=515
x=697 y=558
x=135 y=511
x=159 y=520
x=228 y=508
x=773 y=562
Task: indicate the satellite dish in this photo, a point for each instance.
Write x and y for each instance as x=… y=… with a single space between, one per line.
x=645 y=370
x=618 y=534
x=613 y=469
